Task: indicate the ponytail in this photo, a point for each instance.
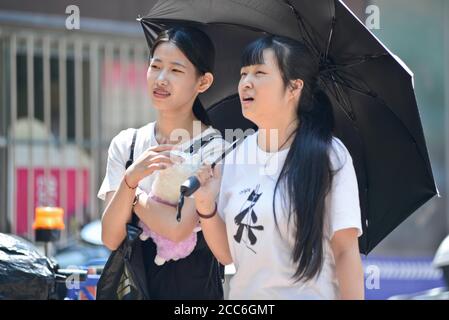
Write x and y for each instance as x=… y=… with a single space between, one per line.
x=200 y=112
x=306 y=178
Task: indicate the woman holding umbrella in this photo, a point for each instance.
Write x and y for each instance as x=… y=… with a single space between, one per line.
x=180 y=69
x=290 y=220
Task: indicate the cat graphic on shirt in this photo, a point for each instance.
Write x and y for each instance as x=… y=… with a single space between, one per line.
x=246 y=219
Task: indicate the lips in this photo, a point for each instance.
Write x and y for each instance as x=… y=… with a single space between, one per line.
x=161 y=93
x=247 y=100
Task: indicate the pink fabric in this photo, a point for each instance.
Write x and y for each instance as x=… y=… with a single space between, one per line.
x=167 y=249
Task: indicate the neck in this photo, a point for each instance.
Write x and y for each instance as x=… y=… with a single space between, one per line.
x=167 y=123
x=274 y=137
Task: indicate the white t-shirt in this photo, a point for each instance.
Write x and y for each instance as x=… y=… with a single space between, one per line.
x=262 y=257
x=119 y=150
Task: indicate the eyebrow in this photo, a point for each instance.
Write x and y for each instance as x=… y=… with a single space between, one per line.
x=173 y=62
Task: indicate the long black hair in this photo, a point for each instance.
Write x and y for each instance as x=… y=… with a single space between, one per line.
x=199 y=49
x=306 y=175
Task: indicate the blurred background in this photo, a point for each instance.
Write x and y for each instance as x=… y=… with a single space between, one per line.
x=65 y=93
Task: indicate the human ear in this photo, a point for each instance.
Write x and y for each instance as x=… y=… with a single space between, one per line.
x=295 y=88
x=205 y=82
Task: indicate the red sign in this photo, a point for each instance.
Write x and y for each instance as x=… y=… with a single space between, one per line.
x=48 y=192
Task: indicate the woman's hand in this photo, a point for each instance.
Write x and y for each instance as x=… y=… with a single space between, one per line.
x=153 y=159
x=210 y=180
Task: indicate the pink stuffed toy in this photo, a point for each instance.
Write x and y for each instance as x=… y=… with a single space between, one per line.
x=165 y=189
x=167 y=249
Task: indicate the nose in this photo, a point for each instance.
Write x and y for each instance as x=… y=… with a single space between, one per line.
x=245 y=82
x=161 y=79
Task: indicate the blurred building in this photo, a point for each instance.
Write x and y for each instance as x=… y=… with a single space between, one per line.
x=65 y=93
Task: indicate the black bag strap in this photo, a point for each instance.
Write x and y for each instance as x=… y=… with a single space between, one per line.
x=199 y=143
x=134 y=219
x=131 y=152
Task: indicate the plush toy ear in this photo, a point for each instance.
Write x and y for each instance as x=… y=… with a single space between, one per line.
x=159 y=260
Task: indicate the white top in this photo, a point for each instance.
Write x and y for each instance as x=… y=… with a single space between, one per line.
x=262 y=257
x=119 y=150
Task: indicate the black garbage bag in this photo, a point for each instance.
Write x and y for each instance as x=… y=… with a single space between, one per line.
x=24 y=272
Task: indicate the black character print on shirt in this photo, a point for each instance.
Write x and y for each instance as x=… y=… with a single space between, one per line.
x=247 y=219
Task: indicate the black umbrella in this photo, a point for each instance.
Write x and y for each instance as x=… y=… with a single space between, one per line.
x=375 y=109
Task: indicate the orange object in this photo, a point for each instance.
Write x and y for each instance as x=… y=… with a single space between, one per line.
x=49 y=218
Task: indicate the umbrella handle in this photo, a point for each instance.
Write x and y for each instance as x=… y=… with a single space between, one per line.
x=187 y=189
x=190 y=186
x=179 y=208
x=192 y=183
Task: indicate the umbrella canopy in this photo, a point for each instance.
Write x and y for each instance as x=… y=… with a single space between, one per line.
x=375 y=109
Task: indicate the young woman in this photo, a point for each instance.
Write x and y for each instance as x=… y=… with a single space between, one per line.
x=289 y=218
x=180 y=69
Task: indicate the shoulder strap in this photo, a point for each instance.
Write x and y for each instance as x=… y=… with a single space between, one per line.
x=134 y=219
x=131 y=152
x=201 y=142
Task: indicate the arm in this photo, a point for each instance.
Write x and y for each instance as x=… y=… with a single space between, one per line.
x=162 y=218
x=119 y=202
x=214 y=229
x=116 y=215
x=348 y=264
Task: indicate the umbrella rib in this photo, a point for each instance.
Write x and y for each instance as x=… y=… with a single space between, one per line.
x=261 y=12
x=251 y=28
x=345 y=80
x=358 y=60
x=359 y=90
x=331 y=32
x=338 y=94
x=329 y=41
x=302 y=28
x=344 y=103
x=165 y=23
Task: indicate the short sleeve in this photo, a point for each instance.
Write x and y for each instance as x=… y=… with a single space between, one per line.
x=118 y=154
x=342 y=202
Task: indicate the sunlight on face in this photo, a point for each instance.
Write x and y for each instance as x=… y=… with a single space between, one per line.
x=261 y=89
x=171 y=78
